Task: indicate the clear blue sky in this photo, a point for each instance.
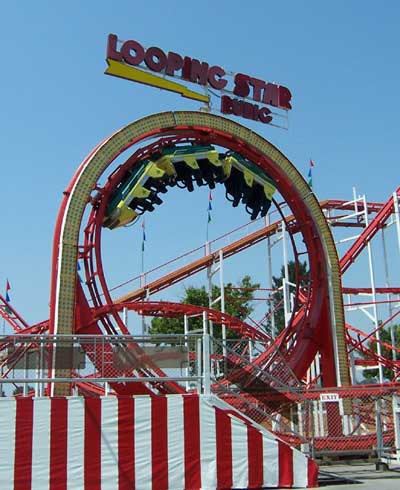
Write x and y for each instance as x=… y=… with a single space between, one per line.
x=340 y=59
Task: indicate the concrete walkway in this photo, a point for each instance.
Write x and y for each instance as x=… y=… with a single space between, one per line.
x=364 y=476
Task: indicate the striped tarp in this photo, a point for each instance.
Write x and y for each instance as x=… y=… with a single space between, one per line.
x=155 y=443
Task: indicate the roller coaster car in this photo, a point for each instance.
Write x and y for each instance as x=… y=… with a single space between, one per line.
x=177 y=165
x=135 y=194
x=188 y=163
x=247 y=183
x=182 y=166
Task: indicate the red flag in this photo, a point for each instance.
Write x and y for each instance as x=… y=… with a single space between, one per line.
x=210 y=197
x=312 y=163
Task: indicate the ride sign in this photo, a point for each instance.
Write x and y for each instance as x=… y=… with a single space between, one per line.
x=241 y=94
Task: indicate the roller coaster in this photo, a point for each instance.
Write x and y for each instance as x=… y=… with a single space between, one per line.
x=139 y=189
x=318 y=350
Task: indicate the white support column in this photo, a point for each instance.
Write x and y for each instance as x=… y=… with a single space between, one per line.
x=388 y=296
x=300 y=418
x=320 y=406
x=285 y=280
x=352 y=366
x=26 y=374
x=43 y=367
x=378 y=422
x=186 y=331
x=270 y=304
x=206 y=356
x=373 y=295
x=355 y=200
x=206 y=365
x=199 y=364
x=205 y=322
x=317 y=366
x=315 y=404
x=396 y=418
x=346 y=421
x=209 y=285
x=125 y=316
x=222 y=296
x=251 y=356
x=142 y=284
x=397 y=217
x=38 y=369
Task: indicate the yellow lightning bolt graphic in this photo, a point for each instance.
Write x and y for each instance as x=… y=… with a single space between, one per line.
x=118 y=69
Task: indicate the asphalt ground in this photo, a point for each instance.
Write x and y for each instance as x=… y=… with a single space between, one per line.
x=359 y=477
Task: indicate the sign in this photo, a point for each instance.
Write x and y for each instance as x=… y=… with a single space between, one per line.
x=329 y=397
x=240 y=94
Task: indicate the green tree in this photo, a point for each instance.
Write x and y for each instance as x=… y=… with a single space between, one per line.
x=238 y=300
x=385 y=336
x=277 y=301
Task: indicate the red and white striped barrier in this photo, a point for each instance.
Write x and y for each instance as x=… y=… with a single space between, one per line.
x=150 y=443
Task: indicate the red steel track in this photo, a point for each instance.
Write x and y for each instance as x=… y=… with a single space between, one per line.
x=356 y=338
x=313 y=312
x=307 y=332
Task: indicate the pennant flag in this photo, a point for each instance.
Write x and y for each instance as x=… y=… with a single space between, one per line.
x=209 y=206
x=310 y=181
x=8 y=287
x=144 y=234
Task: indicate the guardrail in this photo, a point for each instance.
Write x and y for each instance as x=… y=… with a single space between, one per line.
x=103 y=359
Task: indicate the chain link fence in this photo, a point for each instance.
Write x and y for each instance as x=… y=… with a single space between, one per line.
x=352 y=422
x=359 y=422
x=28 y=362
x=340 y=422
